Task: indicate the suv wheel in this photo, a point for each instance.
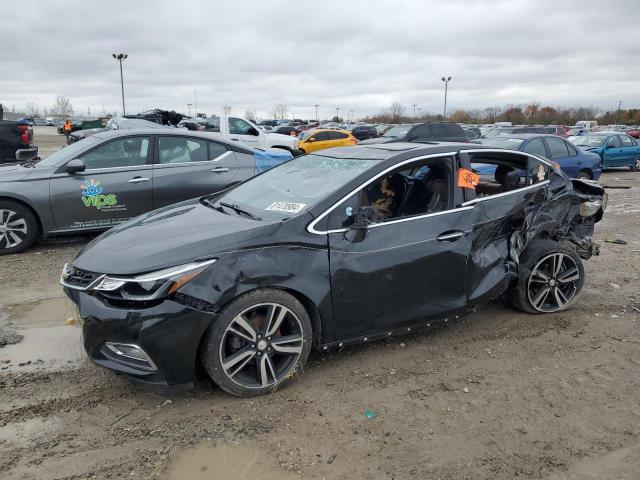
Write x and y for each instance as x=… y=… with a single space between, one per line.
x=550 y=278
x=18 y=227
x=259 y=341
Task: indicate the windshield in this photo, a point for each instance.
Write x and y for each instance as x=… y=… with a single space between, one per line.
x=397 y=131
x=590 y=141
x=296 y=185
x=504 y=142
x=69 y=152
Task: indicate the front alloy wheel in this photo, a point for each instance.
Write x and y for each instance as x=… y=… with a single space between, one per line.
x=553 y=283
x=257 y=342
x=18 y=228
x=635 y=166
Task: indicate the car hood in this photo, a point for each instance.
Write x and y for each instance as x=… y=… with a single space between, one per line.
x=171 y=236
x=280 y=137
x=13 y=171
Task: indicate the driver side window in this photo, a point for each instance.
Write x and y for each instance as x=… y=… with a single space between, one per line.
x=237 y=126
x=415 y=189
x=123 y=152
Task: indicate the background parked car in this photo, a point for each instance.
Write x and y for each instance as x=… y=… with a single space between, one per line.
x=15 y=142
x=319 y=139
x=113 y=176
x=423 y=132
x=574 y=162
x=557 y=130
x=497 y=131
x=286 y=130
x=634 y=132
x=364 y=132
x=615 y=149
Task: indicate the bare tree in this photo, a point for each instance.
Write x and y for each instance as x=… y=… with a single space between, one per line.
x=279 y=111
x=250 y=115
x=32 y=110
x=62 y=107
x=397 y=110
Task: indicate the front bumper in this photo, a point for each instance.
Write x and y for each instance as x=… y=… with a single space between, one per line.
x=169 y=333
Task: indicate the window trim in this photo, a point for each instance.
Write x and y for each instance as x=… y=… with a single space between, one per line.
x=311 y=227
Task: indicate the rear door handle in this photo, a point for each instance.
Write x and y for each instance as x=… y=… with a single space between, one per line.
x=450 y=236
x=139 y=179
x=219 y=170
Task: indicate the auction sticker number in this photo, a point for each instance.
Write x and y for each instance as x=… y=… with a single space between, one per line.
x=289 y=207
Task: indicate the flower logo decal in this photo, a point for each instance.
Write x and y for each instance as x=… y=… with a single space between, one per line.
x=91 y=188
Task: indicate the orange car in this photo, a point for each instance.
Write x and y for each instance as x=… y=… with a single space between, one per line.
x=321 y=138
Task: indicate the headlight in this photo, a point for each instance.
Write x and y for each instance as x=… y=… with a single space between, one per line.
x=153 y=285
x=587 y=209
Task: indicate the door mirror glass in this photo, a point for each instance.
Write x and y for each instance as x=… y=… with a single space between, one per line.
x=75 y=166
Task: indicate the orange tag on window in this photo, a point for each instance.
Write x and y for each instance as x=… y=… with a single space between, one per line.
x=467 y=179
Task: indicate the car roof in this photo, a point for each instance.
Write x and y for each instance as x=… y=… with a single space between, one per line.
x=385 y=151
x=175 y=132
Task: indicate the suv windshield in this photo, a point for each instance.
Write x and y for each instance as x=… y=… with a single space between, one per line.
x=590 y=141
x=398 y=131
x=295 y=185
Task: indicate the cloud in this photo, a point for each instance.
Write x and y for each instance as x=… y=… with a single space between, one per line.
x=357 y=55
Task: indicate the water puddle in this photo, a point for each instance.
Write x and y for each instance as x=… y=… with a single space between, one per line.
x=48 y=343
x=226 y=462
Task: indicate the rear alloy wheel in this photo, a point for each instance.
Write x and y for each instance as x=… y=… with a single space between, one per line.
x=258 y=341
x=551 y=276
x=635 y=166
x=18 y=228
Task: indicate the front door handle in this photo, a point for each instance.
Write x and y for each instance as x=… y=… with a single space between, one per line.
x=219 y=170
x=450 y=236
x=139 y=179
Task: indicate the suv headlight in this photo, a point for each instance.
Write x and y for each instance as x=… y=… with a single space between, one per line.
x=153 y=285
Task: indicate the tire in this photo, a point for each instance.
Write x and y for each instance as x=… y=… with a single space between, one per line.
x=18 y=227
x=635 y=166
x=584 y=175
x=539 y=270
x=258 y=342
x=301 y=151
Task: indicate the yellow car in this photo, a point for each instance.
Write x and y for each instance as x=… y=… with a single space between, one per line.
x=322 y=138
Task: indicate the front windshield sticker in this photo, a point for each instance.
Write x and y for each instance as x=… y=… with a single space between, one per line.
x=289 y=207
x=92 y=196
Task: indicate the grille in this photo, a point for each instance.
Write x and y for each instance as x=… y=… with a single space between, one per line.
x=79 y=278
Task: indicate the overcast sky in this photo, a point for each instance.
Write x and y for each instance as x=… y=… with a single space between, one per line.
x=356 y=55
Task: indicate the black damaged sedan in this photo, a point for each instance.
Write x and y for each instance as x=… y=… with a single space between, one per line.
x=347 y=246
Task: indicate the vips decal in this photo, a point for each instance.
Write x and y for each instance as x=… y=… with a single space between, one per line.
x=92 y=196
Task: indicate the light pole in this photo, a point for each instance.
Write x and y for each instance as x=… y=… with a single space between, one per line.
x=337 y=114
x=446 y=84
x=121 y=57
x=414 y=110
x=617 y=112
x=316 y=111
x=189 y=105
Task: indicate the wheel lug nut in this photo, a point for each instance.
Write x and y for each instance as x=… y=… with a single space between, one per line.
x=259 y=336
x=253 y=346
x=268 y=338
x=259 y=353
x=269 y=349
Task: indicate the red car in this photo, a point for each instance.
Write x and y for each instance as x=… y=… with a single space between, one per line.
x=635 y=133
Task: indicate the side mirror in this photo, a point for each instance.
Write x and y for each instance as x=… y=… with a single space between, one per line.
x=253 y=131
x=312 y=139
x=75 y=166
x=362 y=218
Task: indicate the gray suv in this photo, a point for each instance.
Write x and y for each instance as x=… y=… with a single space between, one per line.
x=113 y=176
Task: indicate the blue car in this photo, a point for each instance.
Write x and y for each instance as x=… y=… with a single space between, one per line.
x=574 y=162
x=614 y=149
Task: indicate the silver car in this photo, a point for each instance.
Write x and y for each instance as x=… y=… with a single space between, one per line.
x=113 y=176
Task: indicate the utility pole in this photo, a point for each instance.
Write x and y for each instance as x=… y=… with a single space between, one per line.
x=617 y=112
x=338 y=112
x=121 y=57
x=316 y=111
x=446 y=84
x=195 y=103
x=414 y=110
x=189 y=105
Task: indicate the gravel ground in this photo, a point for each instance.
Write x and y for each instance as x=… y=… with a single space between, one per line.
x=498 y=395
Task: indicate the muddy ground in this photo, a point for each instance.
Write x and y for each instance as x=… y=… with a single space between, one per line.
x=498 y=395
